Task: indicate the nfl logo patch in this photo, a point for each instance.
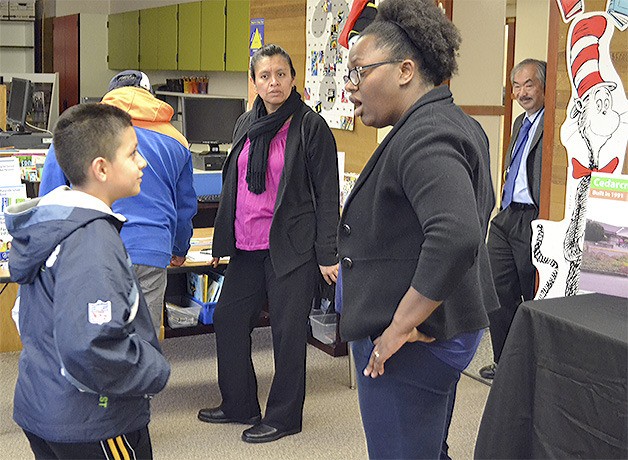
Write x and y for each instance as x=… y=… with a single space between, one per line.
x=99 y=312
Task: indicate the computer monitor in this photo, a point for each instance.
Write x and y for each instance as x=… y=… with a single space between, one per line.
x=209 y=120
x=20 y=100
x=44 y=110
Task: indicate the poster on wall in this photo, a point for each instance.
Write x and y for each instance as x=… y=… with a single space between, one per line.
x=326 y=62
x=595 y=135
x=605 y=252
x=256 y=35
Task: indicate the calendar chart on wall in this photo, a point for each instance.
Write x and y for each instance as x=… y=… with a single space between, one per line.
x=326 y=62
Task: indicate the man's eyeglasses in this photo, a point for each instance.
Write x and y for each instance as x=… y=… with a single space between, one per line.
x=355 y=74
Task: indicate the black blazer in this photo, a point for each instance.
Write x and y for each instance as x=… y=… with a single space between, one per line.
x=418 y=216
x=535 y=157
x=303 y=228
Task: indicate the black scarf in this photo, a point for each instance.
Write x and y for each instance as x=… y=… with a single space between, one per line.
x=262 y=130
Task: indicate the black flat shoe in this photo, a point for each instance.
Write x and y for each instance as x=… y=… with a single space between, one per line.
x=265 y=433
x=488 y=372
x=216 y=415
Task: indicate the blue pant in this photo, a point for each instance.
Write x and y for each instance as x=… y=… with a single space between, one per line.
x=406 y=412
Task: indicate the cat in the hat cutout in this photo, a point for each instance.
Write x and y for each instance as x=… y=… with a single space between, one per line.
x=594 y=133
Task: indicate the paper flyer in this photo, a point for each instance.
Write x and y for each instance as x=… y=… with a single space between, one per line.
x=605 y=253
x=9 y=195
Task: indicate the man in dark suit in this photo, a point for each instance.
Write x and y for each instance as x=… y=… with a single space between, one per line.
x=510 y=234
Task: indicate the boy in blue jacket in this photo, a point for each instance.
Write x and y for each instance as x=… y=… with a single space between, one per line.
x=90 y=360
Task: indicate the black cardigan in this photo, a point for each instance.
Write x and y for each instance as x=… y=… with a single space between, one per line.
x=300 y=230
x=418 y=216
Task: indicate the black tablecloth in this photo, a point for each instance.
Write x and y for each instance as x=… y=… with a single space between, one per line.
x=561 y=385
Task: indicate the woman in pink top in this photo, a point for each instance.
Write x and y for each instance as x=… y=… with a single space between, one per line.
x=277 y=221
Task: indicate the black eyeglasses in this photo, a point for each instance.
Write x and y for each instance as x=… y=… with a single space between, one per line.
x=355 y=74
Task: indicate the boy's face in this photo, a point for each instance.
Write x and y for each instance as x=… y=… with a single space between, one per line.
x=125 y=173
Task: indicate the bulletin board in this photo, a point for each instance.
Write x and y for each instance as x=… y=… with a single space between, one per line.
x=326 y=62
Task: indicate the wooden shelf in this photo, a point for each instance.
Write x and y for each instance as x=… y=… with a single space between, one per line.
x=177 y=286
x=172 y=93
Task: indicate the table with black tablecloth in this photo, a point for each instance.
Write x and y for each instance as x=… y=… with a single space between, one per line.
x=561 y=386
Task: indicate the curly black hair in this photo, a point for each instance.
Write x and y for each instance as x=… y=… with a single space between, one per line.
x=419 y=30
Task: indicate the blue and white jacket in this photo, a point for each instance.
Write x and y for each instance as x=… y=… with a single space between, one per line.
x=159 y=218
x=90 y=357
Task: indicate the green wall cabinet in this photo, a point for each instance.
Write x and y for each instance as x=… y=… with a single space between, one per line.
x=212 y=42
x=238 y=30
x=189 y=36
x=123 y=40
x=207 y=35
x=158 y=38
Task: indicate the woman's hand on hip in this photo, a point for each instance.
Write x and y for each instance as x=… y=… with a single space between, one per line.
x=413 y=309
x=388 y=344
x=329 y=272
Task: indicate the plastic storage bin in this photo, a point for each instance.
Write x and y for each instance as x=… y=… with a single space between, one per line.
x=324 y=327
x=205 y=310
x=180 y=316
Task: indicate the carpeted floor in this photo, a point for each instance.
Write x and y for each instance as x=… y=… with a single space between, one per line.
x=332 y=427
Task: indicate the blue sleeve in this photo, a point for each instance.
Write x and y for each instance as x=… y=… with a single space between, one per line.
x=52 y=176
x=100 y=328
x=186 y=208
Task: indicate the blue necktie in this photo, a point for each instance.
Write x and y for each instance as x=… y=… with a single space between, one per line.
x=511 y=176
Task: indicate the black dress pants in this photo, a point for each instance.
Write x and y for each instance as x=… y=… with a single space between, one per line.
x=250 y=282
x=510 y=253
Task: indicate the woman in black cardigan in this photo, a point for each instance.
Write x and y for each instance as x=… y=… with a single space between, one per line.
x=277 y=221
x=411 y=242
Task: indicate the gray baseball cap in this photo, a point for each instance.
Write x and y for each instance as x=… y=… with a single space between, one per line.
x=130 y=78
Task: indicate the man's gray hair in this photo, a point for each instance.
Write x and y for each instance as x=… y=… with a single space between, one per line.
x=541 y=67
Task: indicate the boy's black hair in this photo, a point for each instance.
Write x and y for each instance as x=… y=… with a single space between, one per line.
x=268 y=51
x=85 y=132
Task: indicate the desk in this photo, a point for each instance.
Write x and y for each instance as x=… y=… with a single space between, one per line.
x=177 y=285
x=9 y=338
x=561 y=387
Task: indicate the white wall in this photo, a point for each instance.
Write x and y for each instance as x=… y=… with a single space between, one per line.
x=480 y=77
x=531 y=34
x=481 y=60
x=68 y=7
x=94 y=74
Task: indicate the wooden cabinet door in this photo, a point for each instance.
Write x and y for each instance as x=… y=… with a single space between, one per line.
x=238 y=29
x=66 y=59
x=212 y=43
x=158 y=38
x=124 y=40
x=189 y=36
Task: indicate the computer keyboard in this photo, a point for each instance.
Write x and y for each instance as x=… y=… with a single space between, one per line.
x=213 y=198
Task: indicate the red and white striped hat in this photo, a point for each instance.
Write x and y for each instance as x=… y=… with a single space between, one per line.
x=585 y=54
x=569 y=8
